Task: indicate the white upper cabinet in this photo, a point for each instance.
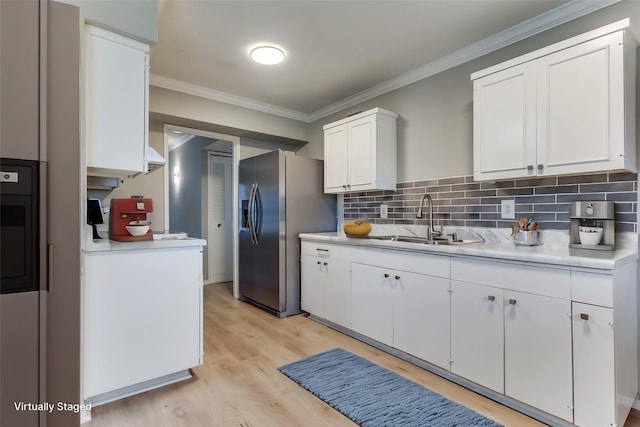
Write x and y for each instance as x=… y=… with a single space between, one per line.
x=564 y=109
x=116 y=103
x=360 y=152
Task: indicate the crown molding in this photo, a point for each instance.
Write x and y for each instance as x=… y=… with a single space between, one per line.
x=227 y=98
x=553 y=18
x=536 y=25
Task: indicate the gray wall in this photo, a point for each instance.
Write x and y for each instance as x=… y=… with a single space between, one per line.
x=185 y=207
x=435 y=129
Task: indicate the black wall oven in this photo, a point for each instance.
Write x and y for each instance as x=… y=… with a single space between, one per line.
x=19 y=225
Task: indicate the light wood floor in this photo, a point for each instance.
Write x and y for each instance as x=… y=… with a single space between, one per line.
x=239 y=385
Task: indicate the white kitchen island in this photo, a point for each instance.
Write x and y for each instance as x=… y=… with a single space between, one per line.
x=538 y=329
x=142 y=315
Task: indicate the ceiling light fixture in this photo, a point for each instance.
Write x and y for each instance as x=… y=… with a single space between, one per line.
x=268 y=55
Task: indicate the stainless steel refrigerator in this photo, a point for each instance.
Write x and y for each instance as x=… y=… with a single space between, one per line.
x=281 y=196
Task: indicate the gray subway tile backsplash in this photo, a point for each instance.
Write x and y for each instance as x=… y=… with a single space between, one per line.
x=460 y=201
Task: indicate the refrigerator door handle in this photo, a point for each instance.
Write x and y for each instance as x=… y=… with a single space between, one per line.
x=256 y=214
x=251 y=219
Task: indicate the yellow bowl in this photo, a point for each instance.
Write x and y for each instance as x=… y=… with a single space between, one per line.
x=357 y=228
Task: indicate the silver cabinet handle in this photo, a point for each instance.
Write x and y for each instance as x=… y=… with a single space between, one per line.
x=584 y=316
x=530 y=167
x=540 y=166
x=512 y=302
x=491 y=298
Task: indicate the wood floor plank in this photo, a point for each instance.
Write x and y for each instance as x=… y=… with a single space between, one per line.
x=239 y=384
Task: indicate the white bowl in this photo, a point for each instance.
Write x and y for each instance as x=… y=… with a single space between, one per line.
x=137 y=230
x=591 y=236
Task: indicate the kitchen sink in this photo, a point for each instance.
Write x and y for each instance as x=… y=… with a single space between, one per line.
x=424 y=240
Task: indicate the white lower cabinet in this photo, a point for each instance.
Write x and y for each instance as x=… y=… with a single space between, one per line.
x=372 y=304
x=541 y=335
x=477 y=334
x=142 y=316
x=405 y=310
x=420 y=317
x=326 y=289
x=537 y=352
x=593 y=366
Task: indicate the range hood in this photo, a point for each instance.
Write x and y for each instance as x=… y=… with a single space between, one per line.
x=154 y=159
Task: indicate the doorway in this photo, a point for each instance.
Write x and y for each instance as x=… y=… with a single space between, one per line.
x=211 y=173
x=217 y=224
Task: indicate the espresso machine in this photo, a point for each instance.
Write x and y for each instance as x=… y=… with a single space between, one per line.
x=592 y=225
x=128 y=219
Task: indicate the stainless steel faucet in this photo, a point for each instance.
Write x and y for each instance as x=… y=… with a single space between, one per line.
x=430 y=230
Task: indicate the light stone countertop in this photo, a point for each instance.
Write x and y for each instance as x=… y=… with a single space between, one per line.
x=160 y=241
x=498 y=245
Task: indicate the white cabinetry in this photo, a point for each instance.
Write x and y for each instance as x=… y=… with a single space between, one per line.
x=604 y=345
x=116 y=101
x=535 y=320
x=593 y=362
x=372 y=303
x=405 y=309
x=142 y=316
x=326 y=282
x=563 y=109
x=360 y=152
x=560 y=341
x=477 y=334
x=537 y=352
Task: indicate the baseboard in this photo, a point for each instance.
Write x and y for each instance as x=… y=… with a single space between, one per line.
x=636 y=405
x=138 y=388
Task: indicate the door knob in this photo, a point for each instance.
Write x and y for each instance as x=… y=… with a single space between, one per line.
x=219 y=225
x=512 y=302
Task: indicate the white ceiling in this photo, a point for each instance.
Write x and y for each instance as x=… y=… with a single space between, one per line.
x=338 y=52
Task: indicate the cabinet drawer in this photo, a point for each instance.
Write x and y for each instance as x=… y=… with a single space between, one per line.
x=415 y=262
x=592 y=288
x=550 y=282
x=325 y=250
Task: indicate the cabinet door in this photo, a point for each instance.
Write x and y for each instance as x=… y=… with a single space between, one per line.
x=477 y=334
x=312 y=277
x=421 y=316
x=337 y=292
x=116 y=94
x=581 y=108
x=362 y=153
x=336 y=154
x=537 y=335
x=593 y=366
x=372 y=302
x=504 y=124
x=20 y=79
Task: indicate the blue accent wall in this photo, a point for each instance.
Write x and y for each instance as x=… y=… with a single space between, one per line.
x=185 y=204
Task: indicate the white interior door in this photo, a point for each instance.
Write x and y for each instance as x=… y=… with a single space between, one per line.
x=219 y=239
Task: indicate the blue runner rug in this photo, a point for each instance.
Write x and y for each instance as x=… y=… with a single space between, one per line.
x=371 y=395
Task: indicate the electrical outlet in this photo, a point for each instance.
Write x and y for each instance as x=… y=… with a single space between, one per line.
x=384 y=211
x=508 y=209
